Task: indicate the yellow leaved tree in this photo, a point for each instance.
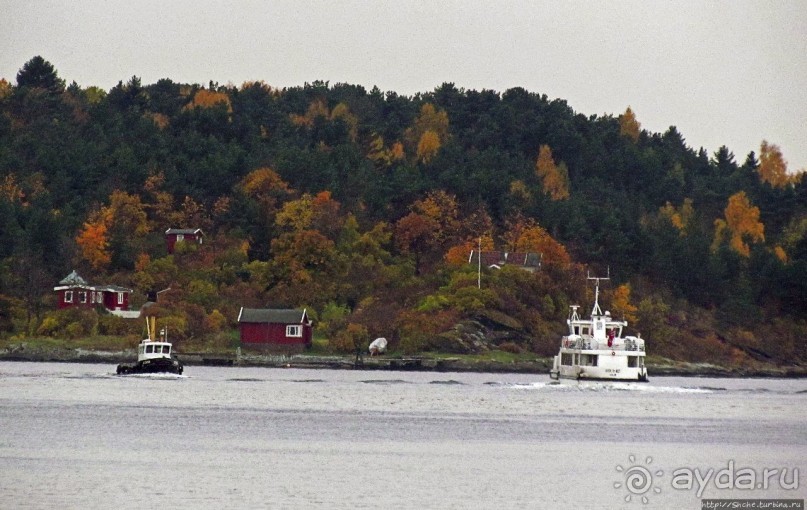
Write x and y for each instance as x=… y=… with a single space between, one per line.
x=555 y=178
x=428 y=146
x=429 y=132
x=772 y=165
x=209 y=98
x=629 y=126
x=621 y=305
x=741 y=225
x=680 y=218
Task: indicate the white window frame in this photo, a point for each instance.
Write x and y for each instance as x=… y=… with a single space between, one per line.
x=294 y=330
x=68 y=296
x=82 y=296
x=120 y=298
x=99 y=297
x=180 y=237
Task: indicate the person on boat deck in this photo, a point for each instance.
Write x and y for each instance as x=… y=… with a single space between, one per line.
x=610 y=337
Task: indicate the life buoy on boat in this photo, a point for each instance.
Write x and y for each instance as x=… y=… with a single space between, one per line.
x=613 y=353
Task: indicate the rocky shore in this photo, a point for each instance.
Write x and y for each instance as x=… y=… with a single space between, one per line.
x=21 y=352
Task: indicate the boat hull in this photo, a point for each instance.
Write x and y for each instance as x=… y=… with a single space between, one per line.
x=587 y=374
x=613 y=368
x=152 y=366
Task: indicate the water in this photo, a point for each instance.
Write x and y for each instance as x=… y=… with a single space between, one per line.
x=77 y=436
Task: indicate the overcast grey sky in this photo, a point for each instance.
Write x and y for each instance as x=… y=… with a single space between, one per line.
x=728 y=72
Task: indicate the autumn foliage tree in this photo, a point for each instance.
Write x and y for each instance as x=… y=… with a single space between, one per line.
x=382 y=155
x=414 y=234
x=429 y=132
x=772 y=165
x=629 y=126
x=113 y=232
x=741 y=225
x=621 y=305
x=555 y=178
x=681 y=218
x=428 y=145
x=526 y=235
x=93 y=243
x=209 y=98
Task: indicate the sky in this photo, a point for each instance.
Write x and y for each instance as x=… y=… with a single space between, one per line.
x=724 y=72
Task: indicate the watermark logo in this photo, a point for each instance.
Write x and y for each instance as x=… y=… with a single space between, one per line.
x=732 y=477
x=638 y=479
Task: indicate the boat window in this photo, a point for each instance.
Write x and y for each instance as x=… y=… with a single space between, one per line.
x=577 y=330
x=632 y=361
x=166 y=349
x=149 y=349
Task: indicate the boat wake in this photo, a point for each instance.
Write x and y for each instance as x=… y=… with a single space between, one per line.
x=604 y=386
x=158 y=376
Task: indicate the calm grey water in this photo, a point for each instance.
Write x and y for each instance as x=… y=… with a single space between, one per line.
x=77 y=436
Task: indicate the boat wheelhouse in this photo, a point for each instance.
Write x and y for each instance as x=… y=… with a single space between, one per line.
x=595 y=349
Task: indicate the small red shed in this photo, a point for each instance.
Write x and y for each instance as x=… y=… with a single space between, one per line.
x=181 y=235
x=275 y=328
x=75 y=291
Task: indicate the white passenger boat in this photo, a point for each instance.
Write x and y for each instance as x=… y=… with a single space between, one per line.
x=595 y=348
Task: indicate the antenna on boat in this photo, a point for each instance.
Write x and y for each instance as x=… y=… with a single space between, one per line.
x=597 y=310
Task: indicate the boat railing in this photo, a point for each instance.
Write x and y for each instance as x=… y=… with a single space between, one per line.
x=589 y=344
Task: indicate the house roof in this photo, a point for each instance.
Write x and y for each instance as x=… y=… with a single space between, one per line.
x=112 y=288
x=73 y=280
x=184 y=231
x=501 y=258
x=278 y=316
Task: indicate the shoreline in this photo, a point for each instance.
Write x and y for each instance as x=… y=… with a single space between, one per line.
x=409 y=363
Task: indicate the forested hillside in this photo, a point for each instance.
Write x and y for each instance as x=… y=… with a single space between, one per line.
x=364 y=205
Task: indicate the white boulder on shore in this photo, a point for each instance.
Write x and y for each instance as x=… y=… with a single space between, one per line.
x=378 y=346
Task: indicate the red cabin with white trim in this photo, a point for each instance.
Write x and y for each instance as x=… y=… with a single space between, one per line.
x=75 y=291
x=275 y=328
x=182 y=235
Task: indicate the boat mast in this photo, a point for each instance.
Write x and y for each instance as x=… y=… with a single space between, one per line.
x=597 y=311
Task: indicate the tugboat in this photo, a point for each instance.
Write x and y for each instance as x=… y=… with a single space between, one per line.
x=153 y=356
x=595 y=349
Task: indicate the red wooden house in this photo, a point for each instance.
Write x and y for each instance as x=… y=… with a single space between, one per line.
x=75 y=291
x=275 y=329
x=181 y=235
